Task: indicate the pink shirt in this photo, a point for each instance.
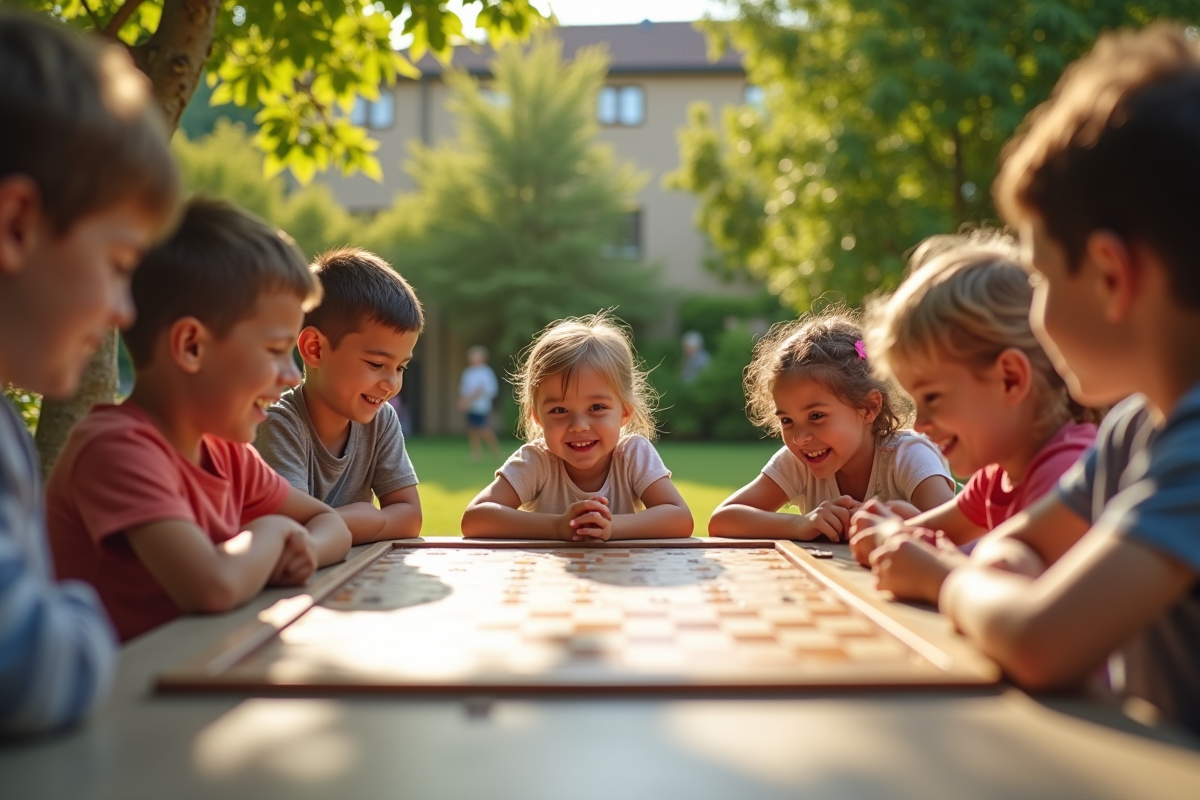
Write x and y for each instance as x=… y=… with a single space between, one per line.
x=116 y=472
x=990 y=498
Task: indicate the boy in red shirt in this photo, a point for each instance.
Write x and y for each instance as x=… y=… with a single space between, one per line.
x=160 y=503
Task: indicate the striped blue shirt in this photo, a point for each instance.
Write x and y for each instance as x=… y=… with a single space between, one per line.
x=57 y=648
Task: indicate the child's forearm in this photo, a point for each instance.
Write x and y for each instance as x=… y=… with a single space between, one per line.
x=487 y=520
x=748 y=522
x=330 y=536
x=660 y=522
x=364 y=521
x=401 y=521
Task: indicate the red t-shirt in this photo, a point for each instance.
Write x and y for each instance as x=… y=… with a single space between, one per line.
x=990 y=498
x=117 y=471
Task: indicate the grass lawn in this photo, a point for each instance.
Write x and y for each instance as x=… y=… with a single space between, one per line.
x=705 y=473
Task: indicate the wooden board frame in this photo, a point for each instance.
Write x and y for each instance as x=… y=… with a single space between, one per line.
x=960 y=664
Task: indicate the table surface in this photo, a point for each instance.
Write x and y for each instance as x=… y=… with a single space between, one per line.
x=990 y=743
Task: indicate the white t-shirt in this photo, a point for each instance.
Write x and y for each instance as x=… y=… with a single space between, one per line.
x=541 y=481
x=900 y=464
x=479 y=378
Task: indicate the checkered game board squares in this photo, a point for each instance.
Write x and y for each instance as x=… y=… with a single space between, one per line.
x=584 y=616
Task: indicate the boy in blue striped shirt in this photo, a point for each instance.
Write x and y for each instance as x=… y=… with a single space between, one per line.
x=86 y=184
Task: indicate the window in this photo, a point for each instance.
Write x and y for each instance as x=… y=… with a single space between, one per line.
x=628 y=243
x=621 y=105
x=377 y=114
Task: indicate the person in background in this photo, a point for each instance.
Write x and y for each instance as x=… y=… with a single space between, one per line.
x=476 y=391
x=695 y=357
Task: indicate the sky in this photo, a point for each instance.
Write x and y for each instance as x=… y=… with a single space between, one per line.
x=596 y=12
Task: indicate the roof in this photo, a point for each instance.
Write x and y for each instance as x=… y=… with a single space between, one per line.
x=647 y=47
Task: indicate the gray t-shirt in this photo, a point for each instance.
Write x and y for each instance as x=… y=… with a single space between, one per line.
x=375 y=459
x=1143 y=483
x=540 y=478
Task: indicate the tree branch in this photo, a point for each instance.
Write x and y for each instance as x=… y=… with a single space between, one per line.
x=95 y=20
x=121 y=17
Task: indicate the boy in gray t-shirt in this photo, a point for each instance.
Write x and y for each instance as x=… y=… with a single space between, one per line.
x=336 y=437
x=1102 y=188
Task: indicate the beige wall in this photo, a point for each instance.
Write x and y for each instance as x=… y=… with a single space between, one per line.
x=669 y=234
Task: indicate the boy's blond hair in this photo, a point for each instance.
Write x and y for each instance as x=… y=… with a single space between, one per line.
x=826 y=347
x=79 y=120
x=966 y=299
x=599 y=341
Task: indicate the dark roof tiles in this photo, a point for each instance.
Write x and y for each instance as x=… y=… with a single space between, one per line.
x=642 y=48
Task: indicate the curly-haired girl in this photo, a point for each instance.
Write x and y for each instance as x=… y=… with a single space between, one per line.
x=811 y=384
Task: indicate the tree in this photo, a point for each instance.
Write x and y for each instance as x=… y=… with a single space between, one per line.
x=881 y=123
x=305 y=67
x=516 y=215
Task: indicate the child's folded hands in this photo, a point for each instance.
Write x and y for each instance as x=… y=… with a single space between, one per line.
x=587 y=520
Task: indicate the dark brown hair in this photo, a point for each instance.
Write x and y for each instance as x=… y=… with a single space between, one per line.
x=1117 y=147
x=359 y=287
x=214 y=267
x=79 y=120
x=823 y=347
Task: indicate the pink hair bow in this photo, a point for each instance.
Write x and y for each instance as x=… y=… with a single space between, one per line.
x=861 y=349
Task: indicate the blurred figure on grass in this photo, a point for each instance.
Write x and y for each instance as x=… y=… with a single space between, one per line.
x=695 y=357
x=476 y=391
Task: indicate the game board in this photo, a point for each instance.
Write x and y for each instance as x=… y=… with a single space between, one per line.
x=502 y=616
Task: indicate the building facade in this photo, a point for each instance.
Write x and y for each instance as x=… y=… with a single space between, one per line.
x=656 y=71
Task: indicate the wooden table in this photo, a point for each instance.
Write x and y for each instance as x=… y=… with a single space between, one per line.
x=994 y=743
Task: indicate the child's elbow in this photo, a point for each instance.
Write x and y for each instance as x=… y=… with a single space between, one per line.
x=1035 y=659
x=720 y=524
x=472 y=522
x=214 y=597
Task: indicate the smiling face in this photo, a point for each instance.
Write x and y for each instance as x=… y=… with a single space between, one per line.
x=364 y=371
x=67 y=292
x=818 y=427
x=963 y=411
x=1068 y=316
x=243 y=373
x=581 y=422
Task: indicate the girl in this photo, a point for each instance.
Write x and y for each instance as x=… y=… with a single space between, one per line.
x=810 y=383
x=956 y=337
x=589 y=471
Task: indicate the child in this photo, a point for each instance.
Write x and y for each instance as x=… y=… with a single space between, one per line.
x=86 y=184
x=589 y=471
x=336 y=437
x=160 y=503
x=476 y=390
x=810 y=382
x=1102 y=186
x=956 y=337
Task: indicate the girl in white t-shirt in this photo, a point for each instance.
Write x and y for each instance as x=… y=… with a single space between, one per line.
x=589 y=471
x=810 y=383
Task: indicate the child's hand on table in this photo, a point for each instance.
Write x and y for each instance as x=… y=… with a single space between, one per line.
x=873 y=523
x=913 y=565
x=831 y=519
x=298 y=561
x=587 y=520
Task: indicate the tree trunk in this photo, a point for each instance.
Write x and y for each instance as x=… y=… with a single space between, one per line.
x=173 y=58
x=960 y=179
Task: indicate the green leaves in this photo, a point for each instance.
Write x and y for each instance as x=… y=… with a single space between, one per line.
x=510 y=223
x=305 y=63
x=882 y=124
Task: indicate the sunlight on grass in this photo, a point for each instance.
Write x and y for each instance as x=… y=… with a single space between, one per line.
x=704 y=472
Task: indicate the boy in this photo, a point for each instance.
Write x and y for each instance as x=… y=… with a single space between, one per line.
x=337 y=437
x=476 y=389
x=1103 y=187
x=86 y=183
x=160 y=503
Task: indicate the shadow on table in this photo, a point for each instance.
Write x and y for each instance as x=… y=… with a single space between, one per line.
x=388 y=585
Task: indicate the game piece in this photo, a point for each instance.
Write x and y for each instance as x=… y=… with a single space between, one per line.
x=491 y=617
